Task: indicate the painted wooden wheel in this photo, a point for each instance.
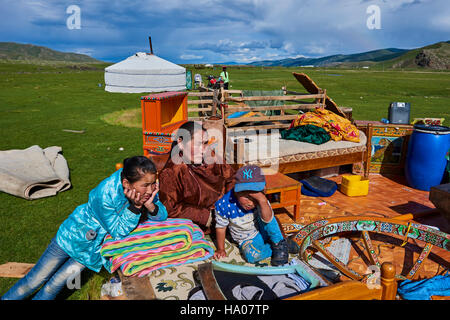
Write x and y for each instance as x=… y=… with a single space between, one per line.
x=314 y=235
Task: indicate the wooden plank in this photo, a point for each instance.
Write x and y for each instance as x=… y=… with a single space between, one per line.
x=348 y=290
x=261 y=127
x=201 y=94
x=313 y=164
x=209 y=283
x=215 y=103
x=222 y=94
x=419 y=262
x=320 y=163
x=370 y=249
x=199 y=109
x=262 y=118
x=15 y=269
x=137 y=288
x=336 y=262
x=313 y=88
x=307 y=82
x=231 y=109
x=233 y=91
x=275 y=98
x=289 y=92
x=200 y=101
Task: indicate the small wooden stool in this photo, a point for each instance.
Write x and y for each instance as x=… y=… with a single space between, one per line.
x=288 y=190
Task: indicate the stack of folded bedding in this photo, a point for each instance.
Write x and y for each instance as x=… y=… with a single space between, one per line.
x=157 y=244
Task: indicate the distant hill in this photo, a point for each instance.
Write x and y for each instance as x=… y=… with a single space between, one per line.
x=436 y=56
x=29 y=52
x=376 y=55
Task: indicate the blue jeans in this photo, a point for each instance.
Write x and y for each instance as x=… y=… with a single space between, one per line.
x=259 y=248
x=54 y=270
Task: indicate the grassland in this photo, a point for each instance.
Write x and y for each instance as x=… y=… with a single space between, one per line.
x=39 y=101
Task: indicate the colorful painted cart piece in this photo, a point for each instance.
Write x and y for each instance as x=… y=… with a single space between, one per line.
x=312 y=238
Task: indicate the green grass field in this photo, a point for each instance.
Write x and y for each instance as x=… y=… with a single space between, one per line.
x=39 y=101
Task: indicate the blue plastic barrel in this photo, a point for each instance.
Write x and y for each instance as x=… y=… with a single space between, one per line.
x=425 y=160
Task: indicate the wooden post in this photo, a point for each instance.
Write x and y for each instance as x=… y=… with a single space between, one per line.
x=222 y=93
x=388 y=283
x=214 y=105
x=368 y=151
x=297 y=206
x=240 y=159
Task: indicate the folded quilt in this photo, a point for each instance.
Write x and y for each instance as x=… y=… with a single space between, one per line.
x=338 y=127
x=157 y=244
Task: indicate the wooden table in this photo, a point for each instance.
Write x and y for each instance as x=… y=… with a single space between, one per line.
x=283 y=191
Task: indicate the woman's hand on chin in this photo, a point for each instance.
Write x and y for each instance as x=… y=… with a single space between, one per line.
x=149 y=203
x=134 y=197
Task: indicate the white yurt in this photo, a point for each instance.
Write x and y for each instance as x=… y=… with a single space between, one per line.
x=144 y=72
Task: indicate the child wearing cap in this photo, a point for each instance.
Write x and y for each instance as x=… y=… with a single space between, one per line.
x=247 y=213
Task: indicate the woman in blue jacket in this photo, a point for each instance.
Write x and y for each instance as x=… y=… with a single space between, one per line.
x=115 y=207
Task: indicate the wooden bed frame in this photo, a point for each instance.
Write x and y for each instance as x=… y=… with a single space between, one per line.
x=227 y=102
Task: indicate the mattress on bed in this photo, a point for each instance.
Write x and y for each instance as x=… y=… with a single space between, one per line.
x=267 y=148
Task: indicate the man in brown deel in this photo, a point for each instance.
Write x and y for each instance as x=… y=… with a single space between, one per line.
x=189 y=187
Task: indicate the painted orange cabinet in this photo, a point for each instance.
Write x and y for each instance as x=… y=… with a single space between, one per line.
x=162 y=114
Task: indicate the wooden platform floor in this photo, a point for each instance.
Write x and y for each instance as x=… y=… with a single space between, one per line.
x=389 y=196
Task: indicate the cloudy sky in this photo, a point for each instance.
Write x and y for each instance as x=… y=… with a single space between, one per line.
x=209 y=31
